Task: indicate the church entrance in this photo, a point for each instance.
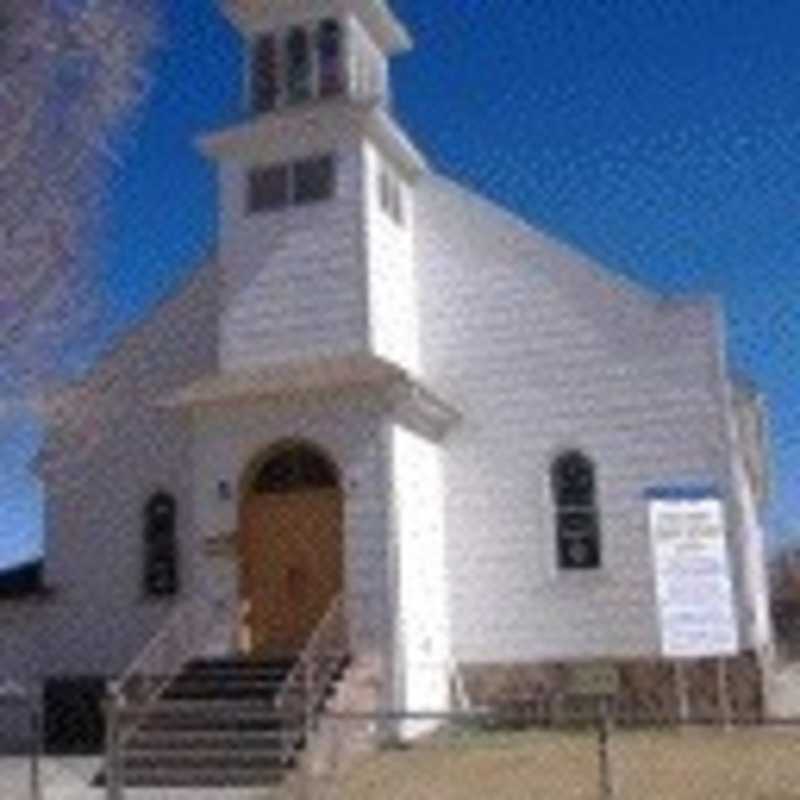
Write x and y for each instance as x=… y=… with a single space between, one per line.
x=290 y=559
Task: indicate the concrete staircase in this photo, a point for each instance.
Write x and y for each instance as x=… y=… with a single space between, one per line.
x=217 y=725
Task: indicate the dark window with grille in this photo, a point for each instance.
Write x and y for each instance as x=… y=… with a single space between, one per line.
x=264 y=74
x=160 y=546
x=577 y=518
x=298 y=66
x=296 y=469
x=329 y=50
x=268 y=188
x=313 y=179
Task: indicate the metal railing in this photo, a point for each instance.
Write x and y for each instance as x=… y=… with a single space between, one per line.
x=180 y=639
x=300 y=698
x=136 y=692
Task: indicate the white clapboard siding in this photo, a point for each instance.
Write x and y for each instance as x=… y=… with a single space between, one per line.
x=350 y=432
x=541 y=351
x=422 y=609
x=393 y=302
x=106 y=452
x=294 y=282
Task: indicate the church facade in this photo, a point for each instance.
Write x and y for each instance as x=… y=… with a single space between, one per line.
x=385 y=391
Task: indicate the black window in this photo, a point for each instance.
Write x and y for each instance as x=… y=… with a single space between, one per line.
x=160 y=546
x=268 y=188
x=313 y=179
x=298 y=66
x=329 y=49
x=264 y=74
x=577 y=519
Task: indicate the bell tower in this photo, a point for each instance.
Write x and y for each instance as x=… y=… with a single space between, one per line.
x=300 y=51
x=316 y=186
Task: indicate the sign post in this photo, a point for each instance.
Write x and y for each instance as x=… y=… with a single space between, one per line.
x=601 y=682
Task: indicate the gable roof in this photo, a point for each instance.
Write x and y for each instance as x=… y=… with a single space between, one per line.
x=526 y=237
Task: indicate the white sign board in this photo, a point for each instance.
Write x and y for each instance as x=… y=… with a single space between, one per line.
x=693 y=582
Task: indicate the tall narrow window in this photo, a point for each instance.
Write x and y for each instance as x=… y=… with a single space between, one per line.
x=298 y=66
x=329 y=49
x=390 y=193
x=264 y=74
x=160 y=546
x=577 y=519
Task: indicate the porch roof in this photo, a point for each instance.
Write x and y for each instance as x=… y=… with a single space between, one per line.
x=411 y=402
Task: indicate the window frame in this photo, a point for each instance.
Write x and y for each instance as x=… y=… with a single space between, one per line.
x=299 y=88
x=589 y=509
x=391 y=195
x=256 y=81
x=157 y=553
x=289 y=170
x=264 y=207
x=316 y=161
x=323 y=29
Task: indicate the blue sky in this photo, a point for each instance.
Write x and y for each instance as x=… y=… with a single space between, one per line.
x=663 y=138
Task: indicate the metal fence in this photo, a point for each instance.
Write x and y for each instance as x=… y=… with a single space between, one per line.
x=526 y=752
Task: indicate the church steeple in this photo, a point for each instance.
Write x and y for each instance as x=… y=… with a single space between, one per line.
x=302 y=51
x=317 y=186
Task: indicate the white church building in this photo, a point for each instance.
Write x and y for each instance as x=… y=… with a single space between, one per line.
x=384 y=391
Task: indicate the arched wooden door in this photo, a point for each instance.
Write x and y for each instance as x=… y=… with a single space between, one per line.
x=290 y=549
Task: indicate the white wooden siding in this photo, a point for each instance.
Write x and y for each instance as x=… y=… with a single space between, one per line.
x=393 y=302
x=423 y=614
x=350 y=431
x=103 y=458
x=540 y=351
x=294 y=282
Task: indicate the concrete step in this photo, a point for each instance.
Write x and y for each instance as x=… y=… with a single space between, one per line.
x=216 y=726
x=223 y=690
x=210 y=706
x=242 y=665
x=200 y=777
x=207 y=739
x=205 y=759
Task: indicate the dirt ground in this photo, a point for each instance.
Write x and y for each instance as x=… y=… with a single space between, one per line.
x=697 y=764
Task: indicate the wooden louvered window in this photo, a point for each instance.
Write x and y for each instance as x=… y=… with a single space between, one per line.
x=329 y=58
x=298 y=66
x=577 y=523
x=264 y=85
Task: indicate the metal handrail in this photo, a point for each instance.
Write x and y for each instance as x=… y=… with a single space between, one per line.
x=179 y=639
x=305 y=686
x=135 y=693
